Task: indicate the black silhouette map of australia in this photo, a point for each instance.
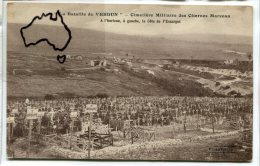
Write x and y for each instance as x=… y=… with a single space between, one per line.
x=33 y=35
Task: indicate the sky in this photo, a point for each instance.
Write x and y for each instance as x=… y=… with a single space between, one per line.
x=239 y=23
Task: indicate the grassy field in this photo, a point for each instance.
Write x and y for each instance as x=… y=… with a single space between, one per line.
x=31 y=75
x=115 y=85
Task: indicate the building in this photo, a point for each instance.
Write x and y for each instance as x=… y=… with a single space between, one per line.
x=231 y=62
x=98 y=63
x=78 y=57
x=75 y=57
x=68 y=56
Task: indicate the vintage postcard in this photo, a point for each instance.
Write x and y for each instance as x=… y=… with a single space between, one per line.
x=129 y=82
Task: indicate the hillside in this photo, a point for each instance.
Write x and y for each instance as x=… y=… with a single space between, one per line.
x=35 y=72
x=86 y=41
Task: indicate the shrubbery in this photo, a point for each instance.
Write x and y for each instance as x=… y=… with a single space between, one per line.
x=234 y=93
x=102 y=95
x=225 y=87
x=49 y=97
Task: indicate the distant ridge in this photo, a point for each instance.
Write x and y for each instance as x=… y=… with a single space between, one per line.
x=86 y=41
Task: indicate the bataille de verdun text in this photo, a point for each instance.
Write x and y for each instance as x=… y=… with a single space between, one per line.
x=149 y=15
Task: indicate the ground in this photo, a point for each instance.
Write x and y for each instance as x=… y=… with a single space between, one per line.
x=42 y=75
x=166 y=66
x=167 y=145
x=35 y=72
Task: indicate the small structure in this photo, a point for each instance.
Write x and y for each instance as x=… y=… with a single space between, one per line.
x=69 y=56
x=78 y=57
x=228 y=62
x=231 y=62
x=98 y=63
x=116 y=60
x=129 y=64
x=75 y=57
x=150 y=72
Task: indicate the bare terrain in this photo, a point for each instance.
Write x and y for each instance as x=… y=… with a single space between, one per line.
x=35 y=72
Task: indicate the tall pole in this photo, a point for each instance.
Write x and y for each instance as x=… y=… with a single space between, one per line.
x=9 y=135
x=39 y=125
x=82 y=124
x=89 y=134
x=71 y=131
x=29 y=138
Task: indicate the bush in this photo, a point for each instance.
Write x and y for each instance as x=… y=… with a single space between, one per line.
x=238 y=95
x=217 y=83
x=102 y=69
x=49 y=97
x=102 y=95
x=68 y=95
x=225 y=87
x=234 y=93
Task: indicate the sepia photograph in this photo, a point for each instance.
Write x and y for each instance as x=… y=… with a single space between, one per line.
x=136 y=82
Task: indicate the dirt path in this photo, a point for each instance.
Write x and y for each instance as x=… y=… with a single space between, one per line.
x=151 y=150
x=193 y=76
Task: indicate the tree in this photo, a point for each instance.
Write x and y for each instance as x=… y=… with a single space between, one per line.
x=217 y=83
x=49 y=97
x=249 y=56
